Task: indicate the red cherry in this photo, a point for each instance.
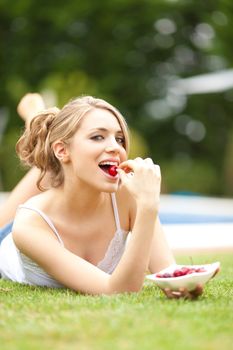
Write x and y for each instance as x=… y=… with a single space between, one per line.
x=185 y=270
x=177 y=273
x=200 y=269
x=166 y=275
x=181 y=272
x=112 y=170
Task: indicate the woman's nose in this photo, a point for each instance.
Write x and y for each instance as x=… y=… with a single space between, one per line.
x=112 y=146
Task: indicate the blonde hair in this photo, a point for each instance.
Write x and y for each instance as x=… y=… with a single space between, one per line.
x=34 y=147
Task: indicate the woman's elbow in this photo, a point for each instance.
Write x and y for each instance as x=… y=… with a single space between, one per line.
x=128 y=288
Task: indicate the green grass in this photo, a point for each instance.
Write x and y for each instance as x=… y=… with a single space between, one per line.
x=41 y=318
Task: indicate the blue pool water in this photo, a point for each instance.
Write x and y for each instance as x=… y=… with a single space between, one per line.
x=176 y=218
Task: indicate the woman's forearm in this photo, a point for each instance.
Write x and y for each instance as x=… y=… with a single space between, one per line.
x=161 y=253
x=130 y=272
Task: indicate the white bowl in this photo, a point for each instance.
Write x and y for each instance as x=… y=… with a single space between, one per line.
x=189 y=281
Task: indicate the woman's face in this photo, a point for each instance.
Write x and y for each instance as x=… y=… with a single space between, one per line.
x=97 y=144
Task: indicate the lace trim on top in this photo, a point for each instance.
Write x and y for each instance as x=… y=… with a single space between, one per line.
x=114 y=252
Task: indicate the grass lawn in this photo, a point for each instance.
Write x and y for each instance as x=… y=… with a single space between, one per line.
x=40 y=318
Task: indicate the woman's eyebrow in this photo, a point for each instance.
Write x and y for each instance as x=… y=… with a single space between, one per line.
x=104 y=129
x=101 y=129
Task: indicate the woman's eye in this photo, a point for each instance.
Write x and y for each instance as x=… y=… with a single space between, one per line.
x=120 y=140
x=97 y=138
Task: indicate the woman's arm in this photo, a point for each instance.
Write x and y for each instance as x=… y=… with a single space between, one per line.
x=34 y=239
x=40 y=245
x=162 y=257
x=161 y=254
x=129 y=275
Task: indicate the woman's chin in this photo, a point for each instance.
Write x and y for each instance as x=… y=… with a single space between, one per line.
x=110 y=188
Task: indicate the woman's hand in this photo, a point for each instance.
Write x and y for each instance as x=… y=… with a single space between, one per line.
x=184 y=293
x=143 y=179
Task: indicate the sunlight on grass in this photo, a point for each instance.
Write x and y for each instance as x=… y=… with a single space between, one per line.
x=42 y=318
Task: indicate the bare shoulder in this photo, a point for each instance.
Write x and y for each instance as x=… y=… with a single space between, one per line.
x=34 y=238
x=28 y=223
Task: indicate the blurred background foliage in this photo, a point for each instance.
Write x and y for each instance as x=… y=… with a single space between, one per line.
x=135 y=54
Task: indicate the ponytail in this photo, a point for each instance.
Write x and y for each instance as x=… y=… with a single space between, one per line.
x=34 y=147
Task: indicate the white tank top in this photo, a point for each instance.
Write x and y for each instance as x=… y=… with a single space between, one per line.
x=16 y=266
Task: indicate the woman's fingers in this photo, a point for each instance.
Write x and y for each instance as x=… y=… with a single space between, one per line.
x=168 y=292
x=172 y=294
x=128 y=165
x=123 y=175
x=149 y=161
x=197 y=291
x=184 y=293
x=138 y=165
x=133 y=164
x=157 y=170
x=142 y=178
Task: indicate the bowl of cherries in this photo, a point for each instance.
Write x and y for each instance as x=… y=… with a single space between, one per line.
x=176 y=276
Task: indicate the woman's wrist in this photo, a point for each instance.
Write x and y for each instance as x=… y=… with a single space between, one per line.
x=147 y=206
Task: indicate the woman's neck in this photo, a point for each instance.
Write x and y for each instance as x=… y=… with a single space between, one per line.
x=82 y=201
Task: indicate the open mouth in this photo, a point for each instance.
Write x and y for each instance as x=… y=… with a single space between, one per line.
x=109 y=168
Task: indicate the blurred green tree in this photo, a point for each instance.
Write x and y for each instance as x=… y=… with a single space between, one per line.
x=131 y=53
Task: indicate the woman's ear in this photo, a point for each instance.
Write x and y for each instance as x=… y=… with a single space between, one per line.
x=61 y=151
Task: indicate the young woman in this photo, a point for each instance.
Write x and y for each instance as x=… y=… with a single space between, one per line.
x=77 y=205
